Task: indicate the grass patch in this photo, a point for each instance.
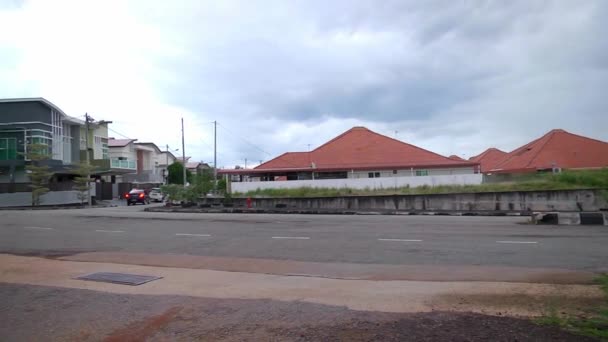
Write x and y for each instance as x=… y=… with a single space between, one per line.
x=567 y=180
x=594 y=325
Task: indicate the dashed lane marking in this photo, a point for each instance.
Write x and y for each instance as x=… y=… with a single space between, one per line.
x=400 y=240
x=292 y=237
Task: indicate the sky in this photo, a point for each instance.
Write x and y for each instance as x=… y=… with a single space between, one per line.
x=454 y=77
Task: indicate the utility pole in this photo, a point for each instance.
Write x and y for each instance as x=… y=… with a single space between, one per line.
x=86 y=135
x=167 y=164
x=215 y=155
x=183 y=153
x=245 y=162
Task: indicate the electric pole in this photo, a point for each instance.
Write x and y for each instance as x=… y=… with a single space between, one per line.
x=215 y=155
x=183 y=153
x=245 y=162
x=86 y=134
x=167 y=164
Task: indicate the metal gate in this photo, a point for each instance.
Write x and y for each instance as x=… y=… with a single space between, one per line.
x=124 y=188
x=103 y=191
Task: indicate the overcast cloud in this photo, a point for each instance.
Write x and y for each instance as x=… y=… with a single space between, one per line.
x=454 y=77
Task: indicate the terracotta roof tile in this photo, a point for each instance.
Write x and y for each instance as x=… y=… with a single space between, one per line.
x=119 y=142
x=557 y=148
x=455 y=157
x=360 y=148
x=489 y=158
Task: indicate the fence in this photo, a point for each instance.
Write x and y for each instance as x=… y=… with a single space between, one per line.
x=26 y=187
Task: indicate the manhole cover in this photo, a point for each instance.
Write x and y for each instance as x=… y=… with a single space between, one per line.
x=119 y=278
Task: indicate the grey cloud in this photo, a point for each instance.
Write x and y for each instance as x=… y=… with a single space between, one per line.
x=452 y=76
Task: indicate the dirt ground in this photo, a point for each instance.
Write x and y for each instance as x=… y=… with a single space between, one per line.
x=33 y=313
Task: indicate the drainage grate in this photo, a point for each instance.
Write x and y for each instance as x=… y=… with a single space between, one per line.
x=119 y=278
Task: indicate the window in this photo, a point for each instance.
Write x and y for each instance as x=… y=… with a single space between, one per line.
x=394 y=172
x=374 y=175
x=8 y=149
x=422 y=172
x=104 y=151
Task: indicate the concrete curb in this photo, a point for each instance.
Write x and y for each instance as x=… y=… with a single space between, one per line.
x=52 y=207
x=571 y=218
x=556 y=218
x=328 y=212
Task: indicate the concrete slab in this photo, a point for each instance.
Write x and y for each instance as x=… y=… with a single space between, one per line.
x=569 y=219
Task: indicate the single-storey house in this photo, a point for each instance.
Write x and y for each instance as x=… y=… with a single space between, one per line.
x=358 y=153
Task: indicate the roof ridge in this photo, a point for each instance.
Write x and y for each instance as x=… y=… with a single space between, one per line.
x=551 y=134
x=402 y=142
x=341 y=135
x=582 y=136
x=511 y=154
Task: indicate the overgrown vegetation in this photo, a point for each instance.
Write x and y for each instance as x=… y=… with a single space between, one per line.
x=83 y=181
x=562 y=181
x=200 y=186
x=38 y=170
x=176 y=174
x=594 y=325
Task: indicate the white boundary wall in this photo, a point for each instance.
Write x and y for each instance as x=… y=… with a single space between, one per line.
x=362 y=183
x=24 y=199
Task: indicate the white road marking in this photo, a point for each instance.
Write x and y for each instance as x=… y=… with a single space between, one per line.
x=402 y=240
x=188 y=234
x=39 y=228
x=528 y=242
x=110 y=231
x=292 y=237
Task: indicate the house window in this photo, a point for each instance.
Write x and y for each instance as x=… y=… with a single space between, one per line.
x=104 y=151
x=374 y=175
x=422 y=172
x=8 y=149
x=394 y=172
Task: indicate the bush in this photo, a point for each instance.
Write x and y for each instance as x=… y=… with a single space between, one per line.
x=173 y=191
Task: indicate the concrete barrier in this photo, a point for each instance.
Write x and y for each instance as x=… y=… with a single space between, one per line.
x=571 y=219
x=524 y=202
x=24 y=199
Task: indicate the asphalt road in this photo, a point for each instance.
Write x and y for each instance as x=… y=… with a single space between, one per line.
x=415 y=240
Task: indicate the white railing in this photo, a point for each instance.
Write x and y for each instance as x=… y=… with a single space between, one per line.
x=123 y=164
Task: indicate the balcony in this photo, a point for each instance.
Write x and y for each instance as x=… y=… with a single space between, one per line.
x=123 y=164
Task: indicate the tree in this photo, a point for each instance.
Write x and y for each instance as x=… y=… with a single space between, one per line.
x=176 y=174
x=38 y=170
x=202 y=184
x=222 y=186
x=83 y=181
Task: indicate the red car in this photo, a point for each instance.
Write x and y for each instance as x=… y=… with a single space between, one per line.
x=137 y=196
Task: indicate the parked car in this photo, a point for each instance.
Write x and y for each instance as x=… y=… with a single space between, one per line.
x=137 y=196
x=156 y=195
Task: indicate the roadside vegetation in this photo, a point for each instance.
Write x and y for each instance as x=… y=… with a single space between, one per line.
x=584 y=179
x=38 y=170
x=595 y=324
x=200 y=185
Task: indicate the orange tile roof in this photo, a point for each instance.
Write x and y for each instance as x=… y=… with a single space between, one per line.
x=489 y=158
x=557 y=148
x=455 y=157
x=361 y=149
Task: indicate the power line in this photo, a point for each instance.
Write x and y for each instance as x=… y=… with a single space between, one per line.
x=124 y=136
x=260 y=149
x=245 y=140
